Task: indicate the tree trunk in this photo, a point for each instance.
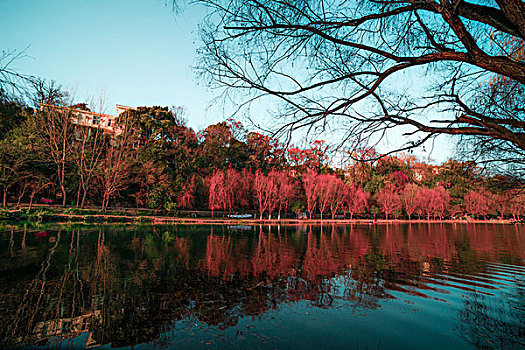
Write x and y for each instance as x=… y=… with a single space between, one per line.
x=63 y=195
x=22 y=193
x=4 y=200
x=61 y=179
x=78 y=192
x=105 y=201
x=83 y=199
x=24 y=238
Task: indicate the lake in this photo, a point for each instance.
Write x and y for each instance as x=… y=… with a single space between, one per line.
x=404 y=286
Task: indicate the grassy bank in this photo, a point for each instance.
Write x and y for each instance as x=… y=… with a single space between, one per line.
x=59 y=215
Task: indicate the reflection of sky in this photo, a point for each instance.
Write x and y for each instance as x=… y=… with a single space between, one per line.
x=134 y=53
x=138 y=53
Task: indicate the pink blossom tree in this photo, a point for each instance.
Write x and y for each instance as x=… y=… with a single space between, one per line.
x=424 y=205
x=264 y=190
x=323 y=191
x=309 y=184
x=516 y=204
x=388 y=200
x=478 y=203
x=186 y=200
x=409 y=199
x=217 y=191
x=338 y=195
x=356 y=200
x=232 y=183
x=245 y=188
x=439 y=201
x=285 y=190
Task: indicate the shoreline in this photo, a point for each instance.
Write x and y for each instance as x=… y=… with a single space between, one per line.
x=163 y=220
x=319 y=221
x=122 y=217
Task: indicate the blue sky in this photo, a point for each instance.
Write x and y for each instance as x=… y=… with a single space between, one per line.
x=135 y=53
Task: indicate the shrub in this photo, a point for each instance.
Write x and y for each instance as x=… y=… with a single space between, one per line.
x=171 y=206
x=143 y=219
x=166 y=238
x=118 y=213
x=79 y=211
x=39 y=215
x=24 y=211
x=4 y=213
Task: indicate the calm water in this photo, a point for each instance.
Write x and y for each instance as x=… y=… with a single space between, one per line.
x=354 y=287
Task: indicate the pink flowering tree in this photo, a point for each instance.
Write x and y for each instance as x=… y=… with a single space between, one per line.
x=388 y=200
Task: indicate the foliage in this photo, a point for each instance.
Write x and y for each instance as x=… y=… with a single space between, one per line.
x=158 y=198
x=171 y=206
x=80 y=211
x=155 y=161
x=4 y=213
x=478 y=203
x=40 y=215
x=143 y=219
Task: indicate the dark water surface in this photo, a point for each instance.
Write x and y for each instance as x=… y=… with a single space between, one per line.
x=419 y=286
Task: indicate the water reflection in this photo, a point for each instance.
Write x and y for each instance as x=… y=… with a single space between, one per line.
x=124 y=285
x=489 y=324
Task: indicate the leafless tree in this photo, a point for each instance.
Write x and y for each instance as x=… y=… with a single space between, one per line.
x=48 y=92
x=350 y=65
x=12 y=169
x=13 y=83
x=88 y=152
x=117 y=160
x=36 y=184
x=54 y=127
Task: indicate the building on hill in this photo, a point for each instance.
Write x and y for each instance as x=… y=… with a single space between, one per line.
x=82 y=115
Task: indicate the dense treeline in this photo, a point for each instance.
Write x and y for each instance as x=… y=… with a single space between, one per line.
x=157 y=161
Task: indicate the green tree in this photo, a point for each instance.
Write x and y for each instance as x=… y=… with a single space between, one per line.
x=12 y=114
x=220 y=148
x=458 y=177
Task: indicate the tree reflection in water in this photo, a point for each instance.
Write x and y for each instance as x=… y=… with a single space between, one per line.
x=490 y=325
x=129 y=285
